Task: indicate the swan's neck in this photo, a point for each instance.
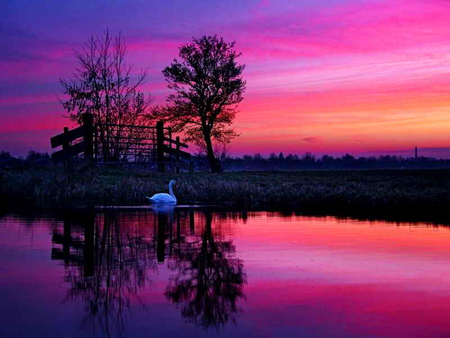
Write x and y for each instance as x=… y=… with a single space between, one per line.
x=170 y=190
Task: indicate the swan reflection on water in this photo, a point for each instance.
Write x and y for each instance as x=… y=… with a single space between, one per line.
x=110 y=259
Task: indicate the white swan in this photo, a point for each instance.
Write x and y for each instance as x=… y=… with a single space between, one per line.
x=164 y=198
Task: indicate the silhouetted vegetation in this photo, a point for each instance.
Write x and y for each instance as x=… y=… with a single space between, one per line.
x=209 y=281
x=415 y=194
x=309 y=161
x=5 y=155
x=33 y=159
x=207 y=84
x=109 y=261
x=106 y=266
x=102 y=85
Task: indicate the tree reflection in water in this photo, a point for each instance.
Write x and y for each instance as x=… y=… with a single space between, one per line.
x=210 y=280
x=106 y=269
x=109 y=256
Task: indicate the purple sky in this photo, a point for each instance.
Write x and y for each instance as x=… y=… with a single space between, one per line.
x=329 y=76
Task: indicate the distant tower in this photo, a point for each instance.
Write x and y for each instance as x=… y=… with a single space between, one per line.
x=415 y=152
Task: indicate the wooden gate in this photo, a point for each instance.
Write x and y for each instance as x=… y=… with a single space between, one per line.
x=74 y=142
x=114 y=144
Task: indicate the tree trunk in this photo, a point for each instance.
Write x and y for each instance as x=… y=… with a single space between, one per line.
x=214 y=164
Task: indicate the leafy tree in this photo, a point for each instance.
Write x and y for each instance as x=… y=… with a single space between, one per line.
x=348 y=158
x=102 y=86
x=34 y=156
x=257 y=157
x=273 y=157
x=327 y=159
x=5 y=155
x=308 y=157
x=292 y=157
x=247 y=158
x=210 y=280
x=207 y=83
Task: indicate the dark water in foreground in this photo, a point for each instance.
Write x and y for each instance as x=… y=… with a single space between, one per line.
x=188 y=272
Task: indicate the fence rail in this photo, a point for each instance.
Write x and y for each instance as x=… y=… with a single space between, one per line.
x=116 y=144
x=75 y=142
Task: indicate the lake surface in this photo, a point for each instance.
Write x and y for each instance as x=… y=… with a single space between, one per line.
x=192 y=272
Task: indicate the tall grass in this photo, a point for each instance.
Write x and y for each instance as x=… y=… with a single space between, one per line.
x=407 y=193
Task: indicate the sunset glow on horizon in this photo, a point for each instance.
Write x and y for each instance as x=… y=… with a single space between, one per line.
x=335 y=76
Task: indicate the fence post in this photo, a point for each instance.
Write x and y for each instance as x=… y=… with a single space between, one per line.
x=95 y=145
x=88 y=123
x=67 y=238
x=89 y=244
x=160 y=246
x=177 y=165
x=65 y=147
x=160 y=146
x=170 y=146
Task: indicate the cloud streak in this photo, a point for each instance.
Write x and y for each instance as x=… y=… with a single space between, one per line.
x=376 y=71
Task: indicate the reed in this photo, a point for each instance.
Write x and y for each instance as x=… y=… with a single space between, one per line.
x=401 y=192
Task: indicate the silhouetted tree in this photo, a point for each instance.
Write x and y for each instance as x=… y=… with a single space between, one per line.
x=309 y=161
x=308 y=157
x=34 y=156
x=273 y=157
x=210 y=280
x=348 y=158
x=292 y=157
x=5 y=155
x=102 y=86
x=106 y=268
x=327 y=159
x=208 y=86
x=257 y=157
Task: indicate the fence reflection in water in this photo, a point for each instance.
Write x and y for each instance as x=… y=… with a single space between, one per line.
x=109 y=259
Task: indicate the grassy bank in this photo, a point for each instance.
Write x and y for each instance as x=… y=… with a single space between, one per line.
x=405 y=193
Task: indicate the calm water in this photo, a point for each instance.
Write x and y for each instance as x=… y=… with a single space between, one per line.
x=187 y=272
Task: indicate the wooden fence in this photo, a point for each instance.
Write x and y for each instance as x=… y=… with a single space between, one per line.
x=74 y=142
x=149 y=145
x=168 y=155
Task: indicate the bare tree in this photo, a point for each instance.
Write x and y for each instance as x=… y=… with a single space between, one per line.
x=102 y=85
x=108 y=273
x=208 y=86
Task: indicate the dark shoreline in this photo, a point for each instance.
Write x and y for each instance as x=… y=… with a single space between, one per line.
x=393 y=195
x=30 y=211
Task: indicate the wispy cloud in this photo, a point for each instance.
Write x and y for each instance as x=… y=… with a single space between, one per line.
x=311 y=139
x=376 y=71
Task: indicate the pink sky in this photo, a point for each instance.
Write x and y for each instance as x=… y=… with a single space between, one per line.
x=305 y=276
x=323 y=76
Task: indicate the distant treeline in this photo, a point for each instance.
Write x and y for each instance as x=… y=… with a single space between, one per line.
x=310 y=161
x=272 y=162
x=33 y=158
